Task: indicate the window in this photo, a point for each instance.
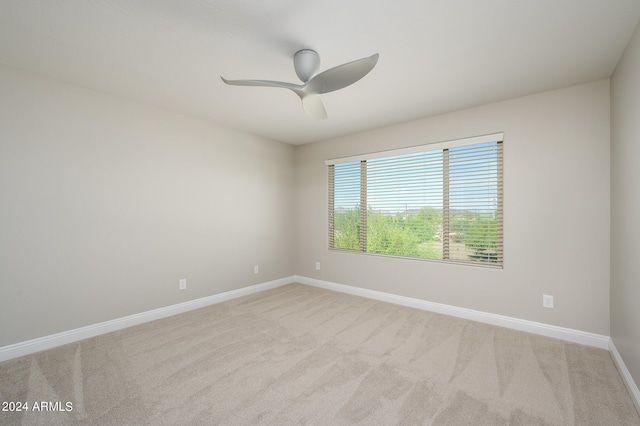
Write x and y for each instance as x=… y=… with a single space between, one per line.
x=440 y=201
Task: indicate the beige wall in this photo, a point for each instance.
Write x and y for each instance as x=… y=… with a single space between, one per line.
x=625 y=207
x=105 y=204
x=556 y=208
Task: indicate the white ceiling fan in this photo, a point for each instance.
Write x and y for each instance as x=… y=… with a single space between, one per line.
x=306 y=63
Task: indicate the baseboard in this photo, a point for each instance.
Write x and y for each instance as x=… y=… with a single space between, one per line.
x=634 y=392
x=63 y=338
x=47 y=342
x=576 y=336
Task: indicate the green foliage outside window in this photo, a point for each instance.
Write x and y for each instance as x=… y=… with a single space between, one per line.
x=417 y=234
x=347 y=229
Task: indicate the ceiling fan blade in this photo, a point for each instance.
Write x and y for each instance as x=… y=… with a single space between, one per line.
x=313 y=106
x=341 y=76
x=265 y=83
x=333 y=79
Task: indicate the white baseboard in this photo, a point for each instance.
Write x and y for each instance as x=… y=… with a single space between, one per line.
x=46 y=342
x=626 y=376
x=575 y=336
x=65 y=337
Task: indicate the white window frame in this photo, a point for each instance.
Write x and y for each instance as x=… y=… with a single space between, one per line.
x=495 y=137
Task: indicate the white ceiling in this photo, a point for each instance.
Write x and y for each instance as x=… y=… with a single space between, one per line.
x=435 y=55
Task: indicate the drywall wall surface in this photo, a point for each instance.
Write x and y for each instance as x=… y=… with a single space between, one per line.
x=625 y=207
x=556 y=211
x=106 y=204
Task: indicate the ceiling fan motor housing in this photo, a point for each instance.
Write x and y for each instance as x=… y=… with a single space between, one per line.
x=306 y=63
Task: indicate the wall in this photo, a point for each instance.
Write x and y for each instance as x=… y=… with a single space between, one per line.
x=625 y=207
x=105 y=204
x=556 y=209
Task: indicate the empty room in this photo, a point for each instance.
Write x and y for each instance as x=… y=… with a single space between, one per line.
x=323 y=213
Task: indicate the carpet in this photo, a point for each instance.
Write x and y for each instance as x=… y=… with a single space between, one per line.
x=303 y=355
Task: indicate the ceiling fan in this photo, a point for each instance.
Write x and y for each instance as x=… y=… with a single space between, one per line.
x=306 y=63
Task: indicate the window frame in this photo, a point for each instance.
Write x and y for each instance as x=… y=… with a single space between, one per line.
x=437 y=146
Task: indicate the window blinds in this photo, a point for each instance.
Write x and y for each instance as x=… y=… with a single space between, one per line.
x=439 y=201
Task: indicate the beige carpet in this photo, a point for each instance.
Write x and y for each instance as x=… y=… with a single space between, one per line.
x=302 y=355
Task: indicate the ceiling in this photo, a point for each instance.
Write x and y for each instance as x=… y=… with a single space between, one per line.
x=435 y=55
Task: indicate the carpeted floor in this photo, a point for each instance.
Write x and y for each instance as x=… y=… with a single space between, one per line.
x=303 y=355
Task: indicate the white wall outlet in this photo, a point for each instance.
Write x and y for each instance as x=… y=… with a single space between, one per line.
x=183 y=284
x=317 y=266
x=547 y=301
x=256 y=269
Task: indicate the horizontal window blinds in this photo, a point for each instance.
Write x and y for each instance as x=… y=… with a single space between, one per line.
x=344 y=206
x=475 y=203
x=425 y=203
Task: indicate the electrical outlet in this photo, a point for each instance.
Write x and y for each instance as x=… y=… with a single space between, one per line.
x=317 y=266
x=256 y=269
x=183 y=284
x=547 y=301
